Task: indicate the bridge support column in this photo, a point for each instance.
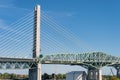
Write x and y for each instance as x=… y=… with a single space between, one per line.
x=118 y=73
x=100 y=74
x=94 y=74
x=117 y=67
x=35 y=73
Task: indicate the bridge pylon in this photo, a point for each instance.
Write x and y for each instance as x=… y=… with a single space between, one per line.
x=35 y=71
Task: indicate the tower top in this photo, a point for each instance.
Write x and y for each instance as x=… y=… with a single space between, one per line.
x=37 y=7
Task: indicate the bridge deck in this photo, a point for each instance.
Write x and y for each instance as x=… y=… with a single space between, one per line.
x=3 y=59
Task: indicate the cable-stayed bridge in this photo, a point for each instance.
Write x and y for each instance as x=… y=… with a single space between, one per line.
x=20 y=45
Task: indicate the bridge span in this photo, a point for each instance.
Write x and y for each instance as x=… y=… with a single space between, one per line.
x=16 y=63
x=93 y=62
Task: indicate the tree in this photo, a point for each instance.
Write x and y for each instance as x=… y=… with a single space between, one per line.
x=13 y=76
x=6 y=76
x=53 y=76
x=45 y=76
x=64 y=76
x=114 y=78
x=59 y=76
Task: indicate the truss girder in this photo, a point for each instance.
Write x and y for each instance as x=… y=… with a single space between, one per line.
x=93 y=60
x=17 y=63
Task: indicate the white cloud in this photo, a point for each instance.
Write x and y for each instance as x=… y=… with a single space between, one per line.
x=12 y=6
x=3 y=6
x=20 y=8
x=6 y=4
x=2 y=24
x=60 y=13
x=6 y=27
x=70 y=14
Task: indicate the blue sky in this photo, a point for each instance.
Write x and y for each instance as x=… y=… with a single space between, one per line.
x=96 y=22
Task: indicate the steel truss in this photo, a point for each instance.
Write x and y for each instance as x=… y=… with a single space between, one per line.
x=17 y=63
x=88 y=60
x=94 y=60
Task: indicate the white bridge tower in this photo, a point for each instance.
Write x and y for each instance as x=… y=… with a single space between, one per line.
x=35 y=71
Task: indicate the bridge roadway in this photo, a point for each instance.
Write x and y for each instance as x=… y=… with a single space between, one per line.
x=16 y=63
x=94 y=60
x=87 y=60
x=3 y=59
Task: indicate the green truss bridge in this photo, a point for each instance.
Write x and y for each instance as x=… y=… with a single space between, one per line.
x=93 y=62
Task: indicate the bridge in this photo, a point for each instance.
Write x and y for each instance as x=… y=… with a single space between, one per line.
x=93 y=61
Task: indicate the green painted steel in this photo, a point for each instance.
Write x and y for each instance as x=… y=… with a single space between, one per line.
x=94 y=60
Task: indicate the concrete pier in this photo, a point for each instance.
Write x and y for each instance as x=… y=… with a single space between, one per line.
x=35 y=73
x=117 y=67
x=94 y=74
x=118 y=73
